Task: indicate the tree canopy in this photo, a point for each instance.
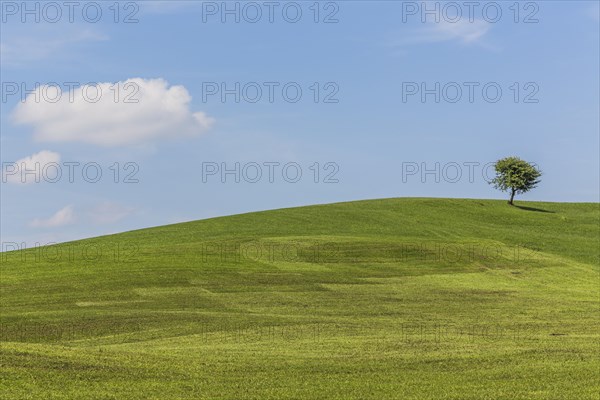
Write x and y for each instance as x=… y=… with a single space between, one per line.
x=516 y=176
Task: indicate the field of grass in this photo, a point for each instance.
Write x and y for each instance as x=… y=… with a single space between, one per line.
x=382 y=299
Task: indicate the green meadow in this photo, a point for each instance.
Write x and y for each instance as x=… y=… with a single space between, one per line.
x=380 y=299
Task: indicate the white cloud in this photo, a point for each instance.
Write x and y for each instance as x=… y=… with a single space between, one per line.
x=109 y=213
x=462 y=31
x=18 y=172
x=23 y=48
x=62 y=217
x=141 y=110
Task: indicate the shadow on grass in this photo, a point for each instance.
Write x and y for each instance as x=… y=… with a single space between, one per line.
x=534 y=209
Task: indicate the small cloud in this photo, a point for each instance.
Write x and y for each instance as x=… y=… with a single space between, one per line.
x=62 y=217
x=16 y=172
x=28 y=48
x=145 y=110
x=109 y=213
x=462 y=31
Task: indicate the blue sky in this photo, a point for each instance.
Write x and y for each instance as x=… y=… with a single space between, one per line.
x=367 y=126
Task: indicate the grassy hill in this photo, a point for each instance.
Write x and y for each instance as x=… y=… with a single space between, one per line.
x=381 y=299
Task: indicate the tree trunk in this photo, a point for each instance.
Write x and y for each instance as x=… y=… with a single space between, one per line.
x=512 y=196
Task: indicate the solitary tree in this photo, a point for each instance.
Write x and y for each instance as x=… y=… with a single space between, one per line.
x=516 y=176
